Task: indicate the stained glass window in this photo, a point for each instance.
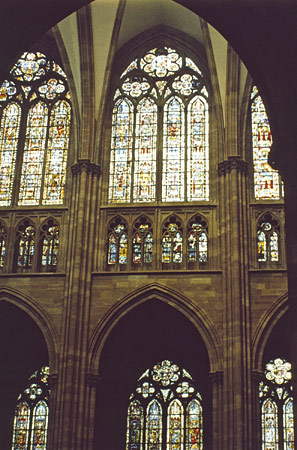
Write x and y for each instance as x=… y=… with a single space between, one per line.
x=197 y=240
x=172 y=241
x=31 y=414
x=3 y=243
x=277 y=418
x=50 y=245
x=117 y=243
x=267 y=182
x=268 y=239
x=142 y=243
x=34 y=99
x=25 y=245
x=165 y=410
x=160 y=129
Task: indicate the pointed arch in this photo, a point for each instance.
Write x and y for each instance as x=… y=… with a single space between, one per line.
x=39 y=316
x=264 y=329
x=159 y=292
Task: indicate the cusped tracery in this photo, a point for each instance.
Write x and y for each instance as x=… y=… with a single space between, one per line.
x=160 y=129
x=35 y=116
x=165 y=410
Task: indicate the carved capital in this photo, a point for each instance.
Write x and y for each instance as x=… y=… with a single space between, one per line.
x=257 y=376
x=232 y=163
x=87 y=166
x=92 y=379
x=52 y=380
x=217 y=377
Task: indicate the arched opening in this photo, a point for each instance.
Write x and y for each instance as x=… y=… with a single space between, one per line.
x=150 y=333
x=22 y=351
x=278 y=343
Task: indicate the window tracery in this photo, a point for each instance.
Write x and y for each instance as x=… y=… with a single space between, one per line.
x=49 y=245
x=172 y=241
x=3 y=244
x=31 y=414
x=117 y=243
x=277 y=418
x=25 y=245
x=160 y=129
x=165 y=411
x=197 y=240
x=267 y=182
x=268 y=239
x=142 y=242
x=35 y=116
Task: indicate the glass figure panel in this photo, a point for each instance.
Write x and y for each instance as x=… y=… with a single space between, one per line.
x=56 y=159
x=21 y=427
x=33 y=158
x=39 y=426
x=3 y=237
x=198 y=158
x=134 y=437
x=144 y=189
x=274 y=246
x=137 y=249
x=288 y=421
x=266 y=180
x=194 y=426
x=9 y=135
x=123 y=249
x=26 y=248
x=261 y=243
x=270 y=439
x=148 y=248
x=192 y=251
x=203 y=247
x=175 y=426
x=121 y=152
x=50 y=247
x=173 y=151
x=153 y=437
x=177 y=250
x=112 y=249
x=166 y=248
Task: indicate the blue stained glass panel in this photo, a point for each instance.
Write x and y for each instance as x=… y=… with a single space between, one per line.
x=121 y=152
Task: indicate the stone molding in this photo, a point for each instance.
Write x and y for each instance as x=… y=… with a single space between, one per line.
x=52 y=380
x=217 y=377
x=92 y=379
x=86 y=165
x=232 y=163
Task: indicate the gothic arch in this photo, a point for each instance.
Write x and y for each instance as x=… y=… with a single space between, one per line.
x=158 y=292
x=265 y=327
x=39 y=316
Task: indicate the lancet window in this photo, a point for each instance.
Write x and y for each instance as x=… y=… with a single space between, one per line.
x=117 y=243
x=35 y=115
x=3 y=244
x=25 y=246
x=172 y=241
x=165 y=411
x=197 y=241
x=268 y=239
x=160 y=131
x=267 y=182
x=31 y=414
x=277 y=417
x=142 y=242
x=49 y=245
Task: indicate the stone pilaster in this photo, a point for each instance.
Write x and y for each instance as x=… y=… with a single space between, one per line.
x=72 y=421
x=217 y=402
x=237 y=395
x=257 y=437
x=283 y=157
